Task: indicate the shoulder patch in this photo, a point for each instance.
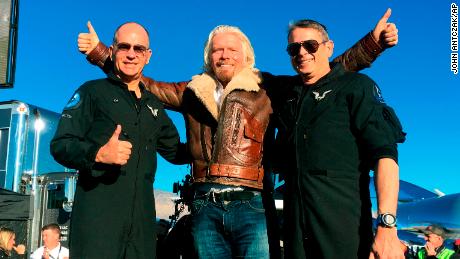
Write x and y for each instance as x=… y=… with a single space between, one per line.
x=378 y=94
x=74 y=102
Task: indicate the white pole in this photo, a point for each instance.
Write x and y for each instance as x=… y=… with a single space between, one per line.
x=36 y=190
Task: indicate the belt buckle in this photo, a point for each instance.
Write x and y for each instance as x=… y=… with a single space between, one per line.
x=223 y=197
x=213 y=195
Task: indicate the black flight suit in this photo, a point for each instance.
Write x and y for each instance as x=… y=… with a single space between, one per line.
x=330 y=135
x=114 y=211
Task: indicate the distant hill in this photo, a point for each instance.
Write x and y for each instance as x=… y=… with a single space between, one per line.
x=164 y=203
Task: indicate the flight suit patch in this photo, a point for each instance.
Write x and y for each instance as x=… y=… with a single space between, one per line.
x=153 y=111
x=378 y=94
x=74 y=102
x=319 y=97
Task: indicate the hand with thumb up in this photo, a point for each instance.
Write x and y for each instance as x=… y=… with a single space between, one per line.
x=87 y=41
x=115 y=151
x=385 y=33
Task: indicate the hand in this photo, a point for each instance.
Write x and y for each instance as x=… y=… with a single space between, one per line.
x=46 y=253
x=114 y=151
x=20 y=249
x=386 y=34
x=430 y=249
x=404 y=246
x=87 y=41
x=386 y=244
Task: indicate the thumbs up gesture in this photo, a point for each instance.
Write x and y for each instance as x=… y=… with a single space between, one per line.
x=115 y=151
x=385 y=33
x=87 y=41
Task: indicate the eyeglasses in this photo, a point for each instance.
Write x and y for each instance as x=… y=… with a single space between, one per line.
x=125 y=47
x=311 y=46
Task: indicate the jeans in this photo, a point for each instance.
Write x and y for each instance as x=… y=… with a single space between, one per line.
x=235 y=229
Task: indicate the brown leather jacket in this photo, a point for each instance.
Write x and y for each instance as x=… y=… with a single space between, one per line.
x=226 y=144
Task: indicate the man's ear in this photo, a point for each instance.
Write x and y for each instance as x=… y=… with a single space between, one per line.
x=149 y=55
x=111 y=53
x=330 y=48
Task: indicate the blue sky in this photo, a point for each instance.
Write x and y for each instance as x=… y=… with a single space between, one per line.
x=415 y=76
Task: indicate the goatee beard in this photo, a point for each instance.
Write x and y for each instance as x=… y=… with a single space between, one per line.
x=224 y=79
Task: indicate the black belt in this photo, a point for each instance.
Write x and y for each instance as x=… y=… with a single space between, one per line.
x=229 y=196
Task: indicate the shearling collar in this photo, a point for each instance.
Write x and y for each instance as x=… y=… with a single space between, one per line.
x=204 y=86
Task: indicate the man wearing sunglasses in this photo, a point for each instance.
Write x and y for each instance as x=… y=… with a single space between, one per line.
x=334 y=127
x=110 y=131
x=227 y=111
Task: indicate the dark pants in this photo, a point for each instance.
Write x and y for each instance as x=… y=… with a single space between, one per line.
x=107 y=225
x=327 y=217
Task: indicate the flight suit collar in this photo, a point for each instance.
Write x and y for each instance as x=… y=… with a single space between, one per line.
x=117 y=81
x=337 y=70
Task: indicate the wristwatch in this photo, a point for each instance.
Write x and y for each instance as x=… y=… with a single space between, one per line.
x=387 y=220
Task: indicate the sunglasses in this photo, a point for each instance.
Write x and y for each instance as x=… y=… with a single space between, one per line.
x=138 y=49
x=311 y=46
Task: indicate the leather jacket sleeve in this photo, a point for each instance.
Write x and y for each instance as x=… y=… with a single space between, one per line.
x=170 y=94
x=361 y=55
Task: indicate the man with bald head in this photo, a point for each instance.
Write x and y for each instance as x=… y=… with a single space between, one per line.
x=110 y=131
